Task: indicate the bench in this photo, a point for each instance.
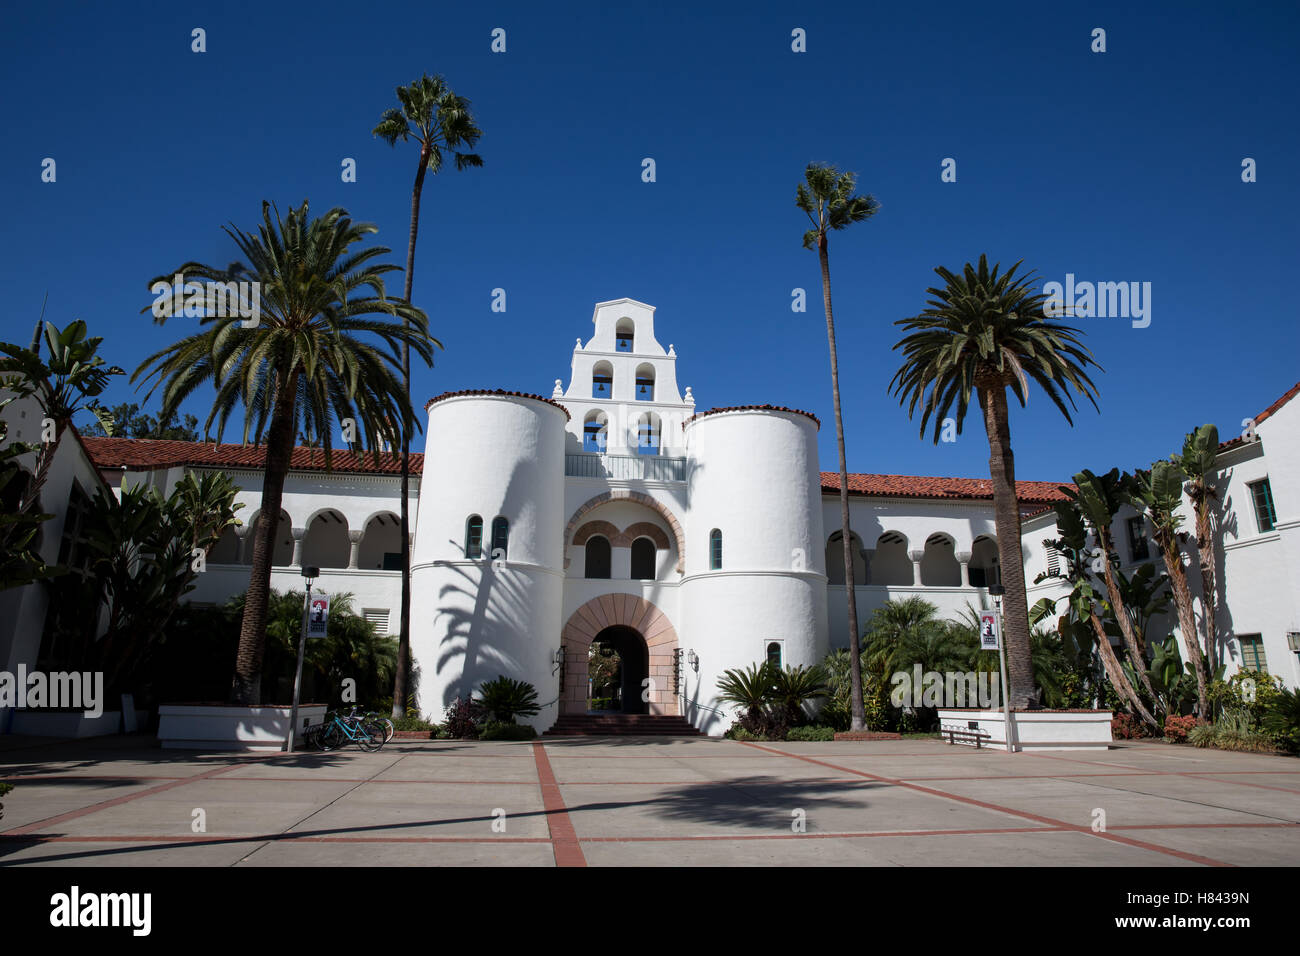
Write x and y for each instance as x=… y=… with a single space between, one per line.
x=966 y=736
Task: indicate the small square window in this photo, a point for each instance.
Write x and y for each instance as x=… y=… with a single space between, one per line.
x=1252 y=652
x=1137 y=539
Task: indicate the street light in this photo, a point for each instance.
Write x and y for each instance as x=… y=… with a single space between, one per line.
x=310 y=574
x=996 y=591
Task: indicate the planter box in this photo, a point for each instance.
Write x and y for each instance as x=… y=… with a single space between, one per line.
x=217 y=727
x=1033 y=729
x=63 y=723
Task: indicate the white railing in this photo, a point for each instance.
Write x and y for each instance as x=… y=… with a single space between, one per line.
x=625 y=467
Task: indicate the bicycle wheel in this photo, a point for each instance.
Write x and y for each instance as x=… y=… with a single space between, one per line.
x=369 y=737
x=380 y=727
x=329 y=737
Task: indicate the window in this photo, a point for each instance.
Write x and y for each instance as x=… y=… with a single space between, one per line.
x=644 y=554
x=595 y=432
x=598 y=558
x=378 y=617
x=1137 y=539
x=775 y=654
x=73 y=553
x=647 y=435
x=1053 y=561
x=645 y=383
x=1265 y=514
x=392 y=561
x=602 y=380
x=623 y=336
x=474 y=538
x=715 y=550
x=1252 y=652
x=500 y=537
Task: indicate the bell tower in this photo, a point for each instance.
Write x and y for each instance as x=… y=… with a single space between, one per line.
x=622 y=392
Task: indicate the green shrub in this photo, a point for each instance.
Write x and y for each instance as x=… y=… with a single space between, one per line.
x=814 y=732
x=412 y=723
x=498 y=730
x=506 y=698
x=737 y=731
x=1202 y=735
x=4 y=788
x=1282 y=720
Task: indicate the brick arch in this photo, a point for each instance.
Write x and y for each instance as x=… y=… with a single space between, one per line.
x=613 y=610
x=641 y=499
x=591 y=528
x=645 y=529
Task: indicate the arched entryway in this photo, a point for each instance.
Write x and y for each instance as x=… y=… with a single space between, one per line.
x=627 y=649
x=637 y=625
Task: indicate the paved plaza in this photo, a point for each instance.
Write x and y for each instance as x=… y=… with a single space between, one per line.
x=657 y=802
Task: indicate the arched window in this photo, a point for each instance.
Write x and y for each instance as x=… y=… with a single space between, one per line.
x=715 y=550
x=602 y=380
x=645 y=383
x=595 y=432
x=644 y=556
x=474 y=538
x=624 y=334
x=598 y=559
x=774 y=654
x=647 y=435
x=500 y=537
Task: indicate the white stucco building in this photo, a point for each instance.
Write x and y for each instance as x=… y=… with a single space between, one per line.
x=692 y=541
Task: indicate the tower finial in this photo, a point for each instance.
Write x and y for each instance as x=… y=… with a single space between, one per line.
x=558 y=392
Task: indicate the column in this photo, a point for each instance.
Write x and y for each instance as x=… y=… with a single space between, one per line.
x=298 y=535
x=916 y=557
x=963 y=558
x=867 y=555
x=354 y=556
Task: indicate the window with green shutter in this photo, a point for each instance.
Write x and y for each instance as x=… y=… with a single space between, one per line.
x=1252 y=652
x=1265 y=514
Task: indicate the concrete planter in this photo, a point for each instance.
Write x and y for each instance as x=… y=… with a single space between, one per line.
x=218 y=727
x=1034 y=729
x=63 y=723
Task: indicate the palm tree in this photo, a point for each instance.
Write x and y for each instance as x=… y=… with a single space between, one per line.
x=987 y=332
x=440 y=123
x=826 y=197
x=299 y=368
x=1197 y=461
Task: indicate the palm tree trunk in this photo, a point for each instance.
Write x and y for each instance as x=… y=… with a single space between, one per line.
x=247 y=686
x=858 y=719
x=1209 y=588
x=1136 y=649
x=1186 y=619
x=1006 y=519
x=401 y=678
x=1115 y=673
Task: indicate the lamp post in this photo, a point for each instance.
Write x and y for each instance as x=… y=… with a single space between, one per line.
x=310 y=574
x=996 y=591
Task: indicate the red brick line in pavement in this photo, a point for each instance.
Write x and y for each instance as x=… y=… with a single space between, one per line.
x=115 y=801
x=1191 y=857
x=564 y=839
x=1198 y=774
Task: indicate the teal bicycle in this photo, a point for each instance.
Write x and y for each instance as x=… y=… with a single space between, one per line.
x=340 y=729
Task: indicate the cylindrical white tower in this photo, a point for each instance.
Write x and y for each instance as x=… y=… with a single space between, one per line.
x=755 y=565
x=487 y=566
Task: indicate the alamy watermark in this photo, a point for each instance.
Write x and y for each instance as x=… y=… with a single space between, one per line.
x=1103 y=300
x=61 y=690
x=194 y=300
x=947 y=689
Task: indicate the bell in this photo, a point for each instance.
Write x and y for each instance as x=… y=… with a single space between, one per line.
x=644 y=390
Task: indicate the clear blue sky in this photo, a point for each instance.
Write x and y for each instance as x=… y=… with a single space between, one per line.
x=1117 y=166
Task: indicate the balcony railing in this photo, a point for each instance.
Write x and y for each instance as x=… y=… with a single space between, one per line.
x=624 y=467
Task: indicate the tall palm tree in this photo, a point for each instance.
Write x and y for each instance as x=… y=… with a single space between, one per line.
x=1197 y=461
x=826 y=197
x=985 y=332
x=440 y=123
x=299 y=368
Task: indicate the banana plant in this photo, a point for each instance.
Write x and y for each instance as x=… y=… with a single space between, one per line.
x=1084 y=607
x=1099 y=498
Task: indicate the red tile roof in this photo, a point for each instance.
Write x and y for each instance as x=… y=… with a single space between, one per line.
x=498 y=391
x=912 y=486
x=748 y=408
x=1291 y=393
x=144 y=454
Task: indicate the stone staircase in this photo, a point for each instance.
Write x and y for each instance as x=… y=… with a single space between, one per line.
x=621 y=725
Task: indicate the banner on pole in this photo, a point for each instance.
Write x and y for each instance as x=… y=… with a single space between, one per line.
x=990 y=631
x=318 y=617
